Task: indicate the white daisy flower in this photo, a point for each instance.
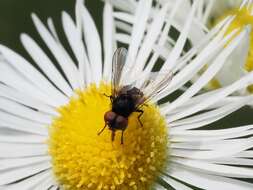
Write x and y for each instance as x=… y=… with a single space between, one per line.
x=50 y=117
x=240 y=62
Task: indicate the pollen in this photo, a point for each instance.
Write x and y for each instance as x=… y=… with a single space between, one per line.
x=82 y=159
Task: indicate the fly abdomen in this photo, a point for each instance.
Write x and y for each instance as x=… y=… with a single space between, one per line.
x=120 y=123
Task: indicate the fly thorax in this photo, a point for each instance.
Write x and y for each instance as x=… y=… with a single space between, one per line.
x=123 y=105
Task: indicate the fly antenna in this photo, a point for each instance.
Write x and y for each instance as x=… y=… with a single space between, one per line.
x=102 y=129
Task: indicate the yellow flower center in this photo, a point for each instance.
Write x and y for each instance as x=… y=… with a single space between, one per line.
x=243 y=18
x=82 y=159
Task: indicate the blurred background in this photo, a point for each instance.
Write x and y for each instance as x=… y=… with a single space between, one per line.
x=15 y=17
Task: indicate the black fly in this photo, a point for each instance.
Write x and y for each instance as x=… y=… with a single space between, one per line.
x=127 y=99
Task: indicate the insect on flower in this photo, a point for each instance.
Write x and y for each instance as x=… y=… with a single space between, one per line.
x=126 y=99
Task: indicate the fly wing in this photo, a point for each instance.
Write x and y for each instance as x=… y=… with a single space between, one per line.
x=118 y=61
x=154 y=84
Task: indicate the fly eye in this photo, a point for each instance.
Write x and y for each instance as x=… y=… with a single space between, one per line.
x=109 y=116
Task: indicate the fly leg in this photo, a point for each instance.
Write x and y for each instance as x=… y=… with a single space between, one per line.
x=113 y=135
x=102 y=129
x=108 y=97
x=122 y=137
x=139 y=116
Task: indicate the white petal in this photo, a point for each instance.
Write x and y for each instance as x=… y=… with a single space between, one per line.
x=236 y=146
x=218 y=152
x=46 y=65
x=93 y=44
x=30 y=182
x=212 y=70
x=23 y=172
x=23 y=111
x=234 y=68
x=15 y=95
x=123 y=38
x=18 y=123
x=77 y=46
x=245 y=154
x=30 y=73
x=204 y=122
x=174 y=55
x=211 y=133
x=127 y=28
x=129 y=18
x=10 y=163
x=207 y=11
x=202 y=138
x=59 y=53
x=55 y=188
x=159 y=187
x=175 y=184
x=197 y=30
x=22 y=138
x=52 y=28
x=17 y=81
x=207 y=116
x=46 y=184
x=232 y=161
x=205 y=181
x=78 y=15
x=216 y=169
x=109 y=40
x=240 y=84
x=11 y=150
x=201 y=44
x=196 y=64
x=139 y=27
x=163 y=39
x=152 y=34
x=191 y=102
x=126 y=5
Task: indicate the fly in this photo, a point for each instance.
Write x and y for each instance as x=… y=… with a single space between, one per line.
x=126 y=99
